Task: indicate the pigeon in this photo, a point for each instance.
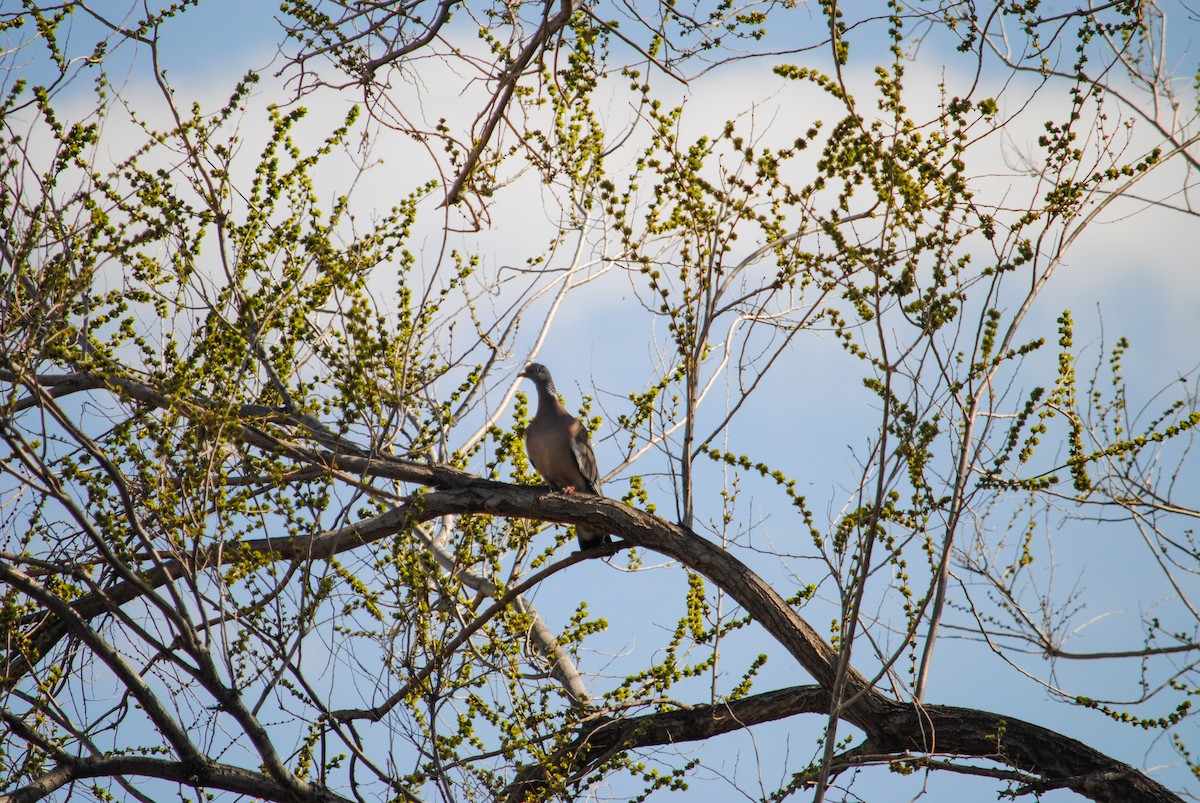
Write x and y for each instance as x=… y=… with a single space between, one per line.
x=558 y=447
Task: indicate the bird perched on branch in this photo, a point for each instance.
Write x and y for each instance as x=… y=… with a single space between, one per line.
x=559 y=449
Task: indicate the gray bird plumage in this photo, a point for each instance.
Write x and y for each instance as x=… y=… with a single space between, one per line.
x=559 y=449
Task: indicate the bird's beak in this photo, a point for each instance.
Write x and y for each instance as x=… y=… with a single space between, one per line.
x=522 y=373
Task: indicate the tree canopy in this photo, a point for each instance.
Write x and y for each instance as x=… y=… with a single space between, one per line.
x=890 y=511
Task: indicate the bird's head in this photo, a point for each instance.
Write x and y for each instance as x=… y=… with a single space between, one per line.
x=539 y=374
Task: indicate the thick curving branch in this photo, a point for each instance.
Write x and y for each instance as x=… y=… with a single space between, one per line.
x=1044 y=759
x=891 y=727
x=464 y=494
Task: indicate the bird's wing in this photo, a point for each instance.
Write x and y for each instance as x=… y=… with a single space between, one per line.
x=585 y=458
